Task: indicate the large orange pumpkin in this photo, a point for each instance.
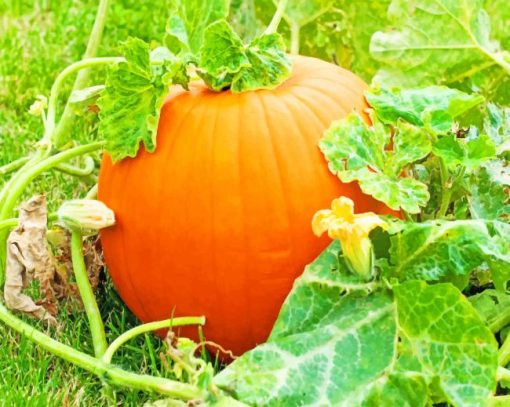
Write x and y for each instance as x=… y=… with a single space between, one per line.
x=217 y=221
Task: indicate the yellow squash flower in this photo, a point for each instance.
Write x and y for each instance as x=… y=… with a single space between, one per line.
x=352 y=230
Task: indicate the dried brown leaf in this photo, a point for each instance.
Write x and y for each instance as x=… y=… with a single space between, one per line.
x=94 y=261
x=28 y=257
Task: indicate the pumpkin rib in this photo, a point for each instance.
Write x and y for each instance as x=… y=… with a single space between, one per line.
x=212 y=227
x=119 y=256
x=344 y=103
x=193 y=104
x=274 y=155
x=184 y=118
x=246 y=281
x=244 y=211
x=297 y=121
x=129 y=274
x=297 y=91
x=326 y=92
x=304 y=105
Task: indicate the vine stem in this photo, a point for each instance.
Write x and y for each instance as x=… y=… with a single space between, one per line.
x=502 y=320
x=87 y=295
x=151 y=326
x=92 y=194
x=50 y=135
x=27 y=176
x=14 y=165
x=98 y=367
x=8 y=223
x=447 y=190
x=294 y=38
x=78 y=171
x=504 y=353
x=65 y=122
x=277 y=17
x=503 y=374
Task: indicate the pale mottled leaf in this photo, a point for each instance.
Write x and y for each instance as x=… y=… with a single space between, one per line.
x=358 y=152
x=222 y=56
x=497 y=126
x=443 y=337
x=268 y=65
x=436 y=42
x=491 y=305
x=445 y=250
x=434 y=107
x=470 y=153
x=303 y=12
x=188 y=21
x=226 y=63
x=130 y=103
x=489 y=199
x=410 y=144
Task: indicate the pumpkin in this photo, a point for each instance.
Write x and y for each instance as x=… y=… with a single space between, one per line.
x=217 y=221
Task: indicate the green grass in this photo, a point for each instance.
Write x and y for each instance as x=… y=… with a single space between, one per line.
x=38 y=38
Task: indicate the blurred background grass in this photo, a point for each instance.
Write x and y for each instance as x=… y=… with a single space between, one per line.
x=38 y=39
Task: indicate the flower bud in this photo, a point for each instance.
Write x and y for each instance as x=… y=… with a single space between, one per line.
x=37 y=108
x=86 y=216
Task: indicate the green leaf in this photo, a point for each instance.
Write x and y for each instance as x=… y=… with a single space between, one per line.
x=303 y=12
x=436 y=42
x=222 y=56
x=489 y=199
x=435 y=107
x=470 y=153
x=188 y=21
x=334 y=345
x=450 y=149
x=82 y=100
x=226 y=63
x=269 y=65
x=497 y=126
x=357 y=152
x=444 y=339
x=499 y=171
x=492 y=306
x=361 y=19
x=445 y=250
x=131 y=101
x=244 y=19
x=410 y=144
x=499 y=13
x=316 y=293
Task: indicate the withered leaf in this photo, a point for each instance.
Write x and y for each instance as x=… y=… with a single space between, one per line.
x=28 y=257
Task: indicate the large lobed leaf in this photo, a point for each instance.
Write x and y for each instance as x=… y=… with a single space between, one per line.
x=450 y=251
x=188 y=21
x=338 y=343
x=132 y=98
x=436 y=41
x=359 y=152
x=225 y=62
x=433 y=107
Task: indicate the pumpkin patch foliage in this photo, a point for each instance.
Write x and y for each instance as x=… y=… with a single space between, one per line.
x=308 y=202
